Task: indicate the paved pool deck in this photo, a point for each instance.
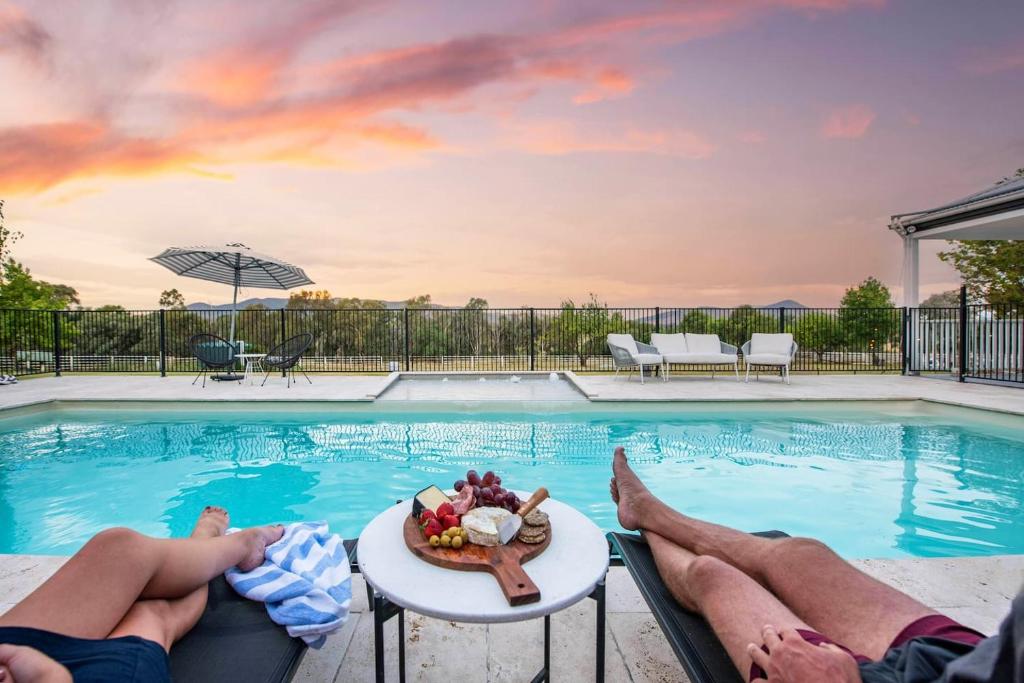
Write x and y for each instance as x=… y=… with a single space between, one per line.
x=976 y=591
x=367 y=389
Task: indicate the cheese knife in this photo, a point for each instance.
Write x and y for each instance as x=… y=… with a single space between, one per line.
x=509 y=527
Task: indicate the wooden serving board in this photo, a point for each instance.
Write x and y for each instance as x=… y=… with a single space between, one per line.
x=504 y=562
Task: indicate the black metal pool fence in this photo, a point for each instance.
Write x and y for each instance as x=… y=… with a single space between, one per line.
x=969 y=341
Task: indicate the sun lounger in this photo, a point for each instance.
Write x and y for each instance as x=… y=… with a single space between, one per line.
x=235 y=640
x=695 y=644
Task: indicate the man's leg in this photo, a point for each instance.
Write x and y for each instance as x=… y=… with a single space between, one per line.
x=736 y=606
x=167 y=621
x=835 y=598
x=96 y=588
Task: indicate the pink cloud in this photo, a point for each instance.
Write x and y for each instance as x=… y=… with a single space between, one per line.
x=22 y=35
x=849 y=122
x=1007 y=59
x=557 y=138
x=752 y=137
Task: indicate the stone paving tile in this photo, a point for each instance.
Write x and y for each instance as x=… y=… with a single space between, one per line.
x=647 y=654
x=953 y=582
x=621 y=592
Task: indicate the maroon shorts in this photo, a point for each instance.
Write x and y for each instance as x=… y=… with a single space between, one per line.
x=934 y=625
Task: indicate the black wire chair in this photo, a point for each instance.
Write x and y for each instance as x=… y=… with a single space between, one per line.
x=213 y=352
x=285 y=357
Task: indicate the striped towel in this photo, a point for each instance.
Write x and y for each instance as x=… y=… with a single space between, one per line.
x=305 y=581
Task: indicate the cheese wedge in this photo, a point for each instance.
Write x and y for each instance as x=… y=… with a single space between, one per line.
x=481 y=524
x=429 y=498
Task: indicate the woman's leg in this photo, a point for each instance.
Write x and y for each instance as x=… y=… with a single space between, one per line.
x=736 y=606
x=834 y=597
x=167 y=621
x=96 y=588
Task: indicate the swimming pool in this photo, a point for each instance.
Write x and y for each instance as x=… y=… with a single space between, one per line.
x=872 y=479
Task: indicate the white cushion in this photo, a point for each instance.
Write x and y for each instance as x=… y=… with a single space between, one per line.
x=771 y=343
x=669 y=343
x=768 y=358
x=647 y=358
x=701 y=358
x=703 y=343
x=626 y=341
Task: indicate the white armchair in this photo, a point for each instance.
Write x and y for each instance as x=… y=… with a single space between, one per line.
x=695 y=349
x=773 y=350
x=629 y=353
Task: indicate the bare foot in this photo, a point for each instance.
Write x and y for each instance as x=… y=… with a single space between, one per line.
x=212 y=522
x=259 y=537
x=628 y=492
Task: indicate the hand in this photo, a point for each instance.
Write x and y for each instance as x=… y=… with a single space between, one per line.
x=791 y=659
x=20 y=664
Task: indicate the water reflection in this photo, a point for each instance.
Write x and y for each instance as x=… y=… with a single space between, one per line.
x=872 y=486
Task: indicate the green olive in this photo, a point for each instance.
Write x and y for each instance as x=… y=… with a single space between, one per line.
x=445 y=541
x=457 y=542
x=435 y=540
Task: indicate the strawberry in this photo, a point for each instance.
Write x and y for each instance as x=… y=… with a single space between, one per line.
x=426 y=516
x=445 y=509
x=432 y=528
x=450 y=520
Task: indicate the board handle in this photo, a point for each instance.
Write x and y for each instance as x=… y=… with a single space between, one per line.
x=538 y=497
x=518 y=587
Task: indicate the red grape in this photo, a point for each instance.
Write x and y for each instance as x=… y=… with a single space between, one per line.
x=473 y=478
x=459 y=484
x=486 y=493
x=476 y=490
x=499 y=498
x=488 y=478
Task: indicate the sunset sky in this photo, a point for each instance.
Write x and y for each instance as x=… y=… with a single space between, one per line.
x=654 y=153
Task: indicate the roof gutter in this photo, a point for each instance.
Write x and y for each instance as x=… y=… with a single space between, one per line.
x=905 y=224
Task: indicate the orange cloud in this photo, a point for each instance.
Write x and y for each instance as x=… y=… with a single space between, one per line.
x=231 y=78
x=563 y=137
x=849 y=122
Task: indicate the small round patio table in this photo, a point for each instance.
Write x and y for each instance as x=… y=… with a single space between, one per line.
x=253 y=363
x=573 y=567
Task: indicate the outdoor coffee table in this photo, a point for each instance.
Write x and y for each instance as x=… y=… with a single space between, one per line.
x=253 y=363
x=573 y=567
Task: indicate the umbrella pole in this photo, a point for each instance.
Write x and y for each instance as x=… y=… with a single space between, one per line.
x=234 y=310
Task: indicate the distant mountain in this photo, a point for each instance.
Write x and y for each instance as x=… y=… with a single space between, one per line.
x=785 y=303
x=275 y=302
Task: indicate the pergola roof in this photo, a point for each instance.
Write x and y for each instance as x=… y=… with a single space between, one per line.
x=995 y=213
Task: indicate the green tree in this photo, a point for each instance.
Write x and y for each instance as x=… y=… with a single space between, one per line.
x=21 y=290
x=417 y=302
x=7 y=239
x=817 y=332
x=868 y=319
x=580 y=331
x=306 y=299
x=947 y=299
x=993 y=270
x=742 y=323
x=172 y=298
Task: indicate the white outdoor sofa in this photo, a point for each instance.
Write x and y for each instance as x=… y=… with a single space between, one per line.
x=774 y=350
x=695 y=349
x=629 y=353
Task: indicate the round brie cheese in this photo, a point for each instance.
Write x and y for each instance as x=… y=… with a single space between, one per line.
x=481 y=524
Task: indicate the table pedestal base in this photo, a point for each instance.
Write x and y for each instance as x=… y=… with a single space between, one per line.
x=383 y=610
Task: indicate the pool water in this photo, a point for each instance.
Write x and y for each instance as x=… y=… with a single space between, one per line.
x=875 y=480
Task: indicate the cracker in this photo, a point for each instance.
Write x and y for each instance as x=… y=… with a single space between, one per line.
x=537 y=518
x=533 y=539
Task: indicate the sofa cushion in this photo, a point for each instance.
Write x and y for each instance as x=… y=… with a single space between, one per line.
x=669 y=343
x=647 y=358
x=768 y=359
x=703 y=343
x=700 y=358
x=771 y=343
x=626 y=341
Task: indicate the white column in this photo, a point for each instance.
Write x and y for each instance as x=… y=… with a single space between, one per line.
x=911 y=271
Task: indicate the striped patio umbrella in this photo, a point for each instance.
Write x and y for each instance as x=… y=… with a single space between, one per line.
x=232 y=264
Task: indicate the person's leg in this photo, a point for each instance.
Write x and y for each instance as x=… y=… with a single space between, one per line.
x=736 y=606
x=95 y=589
x=835 y=598
x=167 y=621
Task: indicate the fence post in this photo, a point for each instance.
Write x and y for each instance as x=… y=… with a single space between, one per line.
x=533 y=341
x=406 y=316
x=963 y=332
x=163 y=343
x=284 y=373
x=904 y=339
x=782 y=319
x=657 y=318
x=56 y=343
